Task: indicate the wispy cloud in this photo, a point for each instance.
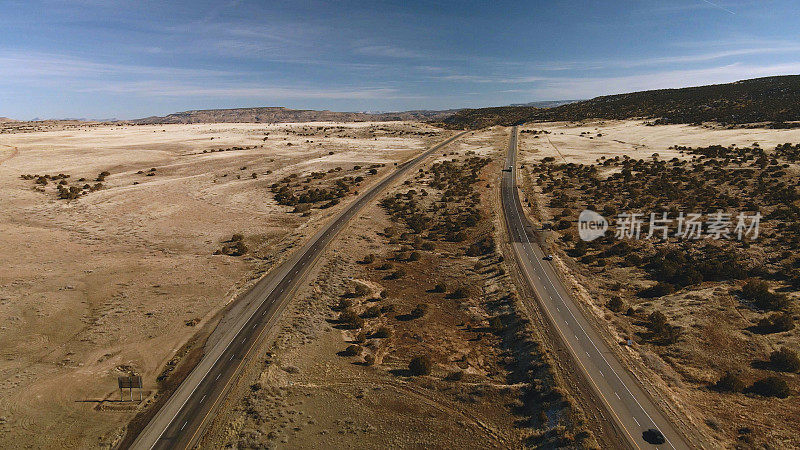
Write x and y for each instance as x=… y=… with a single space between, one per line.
x=593 y=86
x=389 y=51
x=15 y=65
x=719 y=7
x=177 y=89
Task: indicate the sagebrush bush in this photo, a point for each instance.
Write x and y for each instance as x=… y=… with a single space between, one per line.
x=785 y=360
x=420 y=365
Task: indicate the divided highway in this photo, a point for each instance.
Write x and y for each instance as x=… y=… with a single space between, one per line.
x=622 y=395
x=180 y=421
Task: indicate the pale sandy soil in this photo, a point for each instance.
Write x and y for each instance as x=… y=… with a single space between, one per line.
x=716 y=326
x=635 y=140
x=101 y=285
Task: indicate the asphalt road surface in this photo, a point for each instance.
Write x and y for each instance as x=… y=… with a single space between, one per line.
x=623 y=396
x=180 y=421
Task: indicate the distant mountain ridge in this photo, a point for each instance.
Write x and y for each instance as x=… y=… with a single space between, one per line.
x=546 y=103
x=276 y=114
x=774 y=100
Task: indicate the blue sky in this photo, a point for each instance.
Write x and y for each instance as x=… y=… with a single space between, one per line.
x=102 y=59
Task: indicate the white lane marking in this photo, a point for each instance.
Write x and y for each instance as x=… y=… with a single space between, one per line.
x=637 y=422
x=615 y=393
x=530 y=250
x=184 y=424
x=215 y=379
x=232 y=357
x=201 y=400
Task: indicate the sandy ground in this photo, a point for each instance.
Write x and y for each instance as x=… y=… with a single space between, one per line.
x=717 y=327
x=104 y=285
x=635 y=140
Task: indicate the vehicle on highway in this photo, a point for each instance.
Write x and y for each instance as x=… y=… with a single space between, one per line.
x=548 y=257
x=653 y=436
x=507 y=169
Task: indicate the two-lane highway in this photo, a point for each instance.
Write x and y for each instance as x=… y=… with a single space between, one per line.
x=180 y=421
x=622 y=395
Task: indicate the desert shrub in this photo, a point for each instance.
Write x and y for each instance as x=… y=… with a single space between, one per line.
x=386 y=309
x=369 y=359
x=397 y=274
x=776 y=323
x=771 y=386
x=238 y=249
x=757 y=291
x=344 y=303
x=382 y=332
x=440 y=288
x=302 y=207
x=615 y=304
x=484 y=246
x=414 y=256
x=102 y=176
x=360 y=290
x=659 y=290
x=785 y=360
x=369 y=259
x=352 y=350
x=496 y=324
x=372 y=311
x=460 y=292
x=563 y=224
x=384 y=266
x=662 y=330
x=420 y=310
x=420 y=365
x=458 y=375
x=730 y=382
x=237 y=237
x=360 y=338
x=351 y=319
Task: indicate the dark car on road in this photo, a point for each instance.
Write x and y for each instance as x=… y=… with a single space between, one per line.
x=653 y=436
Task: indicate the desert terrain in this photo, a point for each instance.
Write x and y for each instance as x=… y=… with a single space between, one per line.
x=127 y=244
x=714 y=339
x=418 y=277
x=124 y=244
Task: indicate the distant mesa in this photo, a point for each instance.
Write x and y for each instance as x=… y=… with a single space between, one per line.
x=276 y=114
x=6 y=119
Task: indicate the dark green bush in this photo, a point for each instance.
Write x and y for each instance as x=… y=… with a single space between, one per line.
x=420 y=365
x=785 y=360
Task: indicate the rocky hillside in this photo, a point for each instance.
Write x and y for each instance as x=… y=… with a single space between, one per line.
x=771 y=100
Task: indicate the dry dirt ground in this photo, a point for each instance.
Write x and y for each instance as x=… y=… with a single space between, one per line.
x=119 y=279
x=717 y=327
x=490 y=386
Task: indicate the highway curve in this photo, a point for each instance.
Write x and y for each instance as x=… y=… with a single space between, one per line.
x=180 y=421
x=631 y=407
